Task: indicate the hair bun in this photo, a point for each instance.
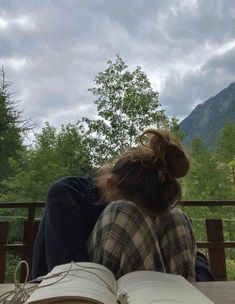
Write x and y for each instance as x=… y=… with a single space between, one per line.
x=157 y=141
x=167 y=152
x=177 y=161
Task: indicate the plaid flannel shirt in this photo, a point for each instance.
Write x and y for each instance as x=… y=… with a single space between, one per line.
x=125 y=239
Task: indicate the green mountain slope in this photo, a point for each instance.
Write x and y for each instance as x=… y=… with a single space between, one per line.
x=208 y=118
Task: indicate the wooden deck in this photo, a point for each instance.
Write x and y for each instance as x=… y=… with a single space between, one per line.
x=215 y=243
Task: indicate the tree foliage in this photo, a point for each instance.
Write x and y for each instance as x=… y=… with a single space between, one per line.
x=12 y=128
x=226 y=150
x=208 y=178
x=226 y=143
x=126 y=104
x=53 y=155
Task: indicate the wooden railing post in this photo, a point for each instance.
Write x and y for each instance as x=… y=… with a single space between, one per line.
x=216 y=253
x=4 y=228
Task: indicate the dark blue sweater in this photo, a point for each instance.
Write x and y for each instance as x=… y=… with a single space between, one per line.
x=71 y=211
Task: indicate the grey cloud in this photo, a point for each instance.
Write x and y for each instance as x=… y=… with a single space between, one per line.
x=224 y=62
x=181 y=95
x=205 y=23
x=72 y=40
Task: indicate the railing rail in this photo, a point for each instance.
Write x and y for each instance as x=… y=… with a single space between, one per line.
x=210 y=203
x=215 y=243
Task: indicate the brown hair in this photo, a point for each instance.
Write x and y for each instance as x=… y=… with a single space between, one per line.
x=147 y=174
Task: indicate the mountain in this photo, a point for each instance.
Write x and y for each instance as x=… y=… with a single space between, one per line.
x=208 y=118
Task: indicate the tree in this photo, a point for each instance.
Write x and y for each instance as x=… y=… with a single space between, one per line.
x=207 y=178
x=126 y=104
x=226 y=143
x=72 y=150
x=53 y=155
x=226 y=150
x=12 y=128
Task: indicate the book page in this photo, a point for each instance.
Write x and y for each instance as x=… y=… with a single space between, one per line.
x=84 y=281
x=152 y=287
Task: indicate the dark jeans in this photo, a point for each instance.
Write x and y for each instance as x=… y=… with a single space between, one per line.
x=203 y=272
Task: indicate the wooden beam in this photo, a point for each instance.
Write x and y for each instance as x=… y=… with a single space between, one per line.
x=4 y=228
x=216 y=253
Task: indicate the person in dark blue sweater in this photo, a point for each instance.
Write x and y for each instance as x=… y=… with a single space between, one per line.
x=73 y=206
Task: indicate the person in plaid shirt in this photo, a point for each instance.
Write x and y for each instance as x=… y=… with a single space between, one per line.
x=131 y=205
x=125 y=239
x=141 y=229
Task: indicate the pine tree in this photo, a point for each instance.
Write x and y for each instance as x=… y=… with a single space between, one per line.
x=207 y=179
x=12 y=128
x=226 y=143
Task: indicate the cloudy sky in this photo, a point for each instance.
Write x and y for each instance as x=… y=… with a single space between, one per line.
x=52 y=50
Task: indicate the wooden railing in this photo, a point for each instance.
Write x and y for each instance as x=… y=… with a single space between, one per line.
x=24 y=249
x=215 y=243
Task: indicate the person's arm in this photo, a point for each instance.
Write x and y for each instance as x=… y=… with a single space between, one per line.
x=65 y=226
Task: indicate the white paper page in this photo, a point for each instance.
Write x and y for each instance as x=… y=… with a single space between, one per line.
x=151 y=287
x=79 y=283
x=74 y=302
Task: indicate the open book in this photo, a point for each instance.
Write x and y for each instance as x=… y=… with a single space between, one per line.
x=93 y=283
